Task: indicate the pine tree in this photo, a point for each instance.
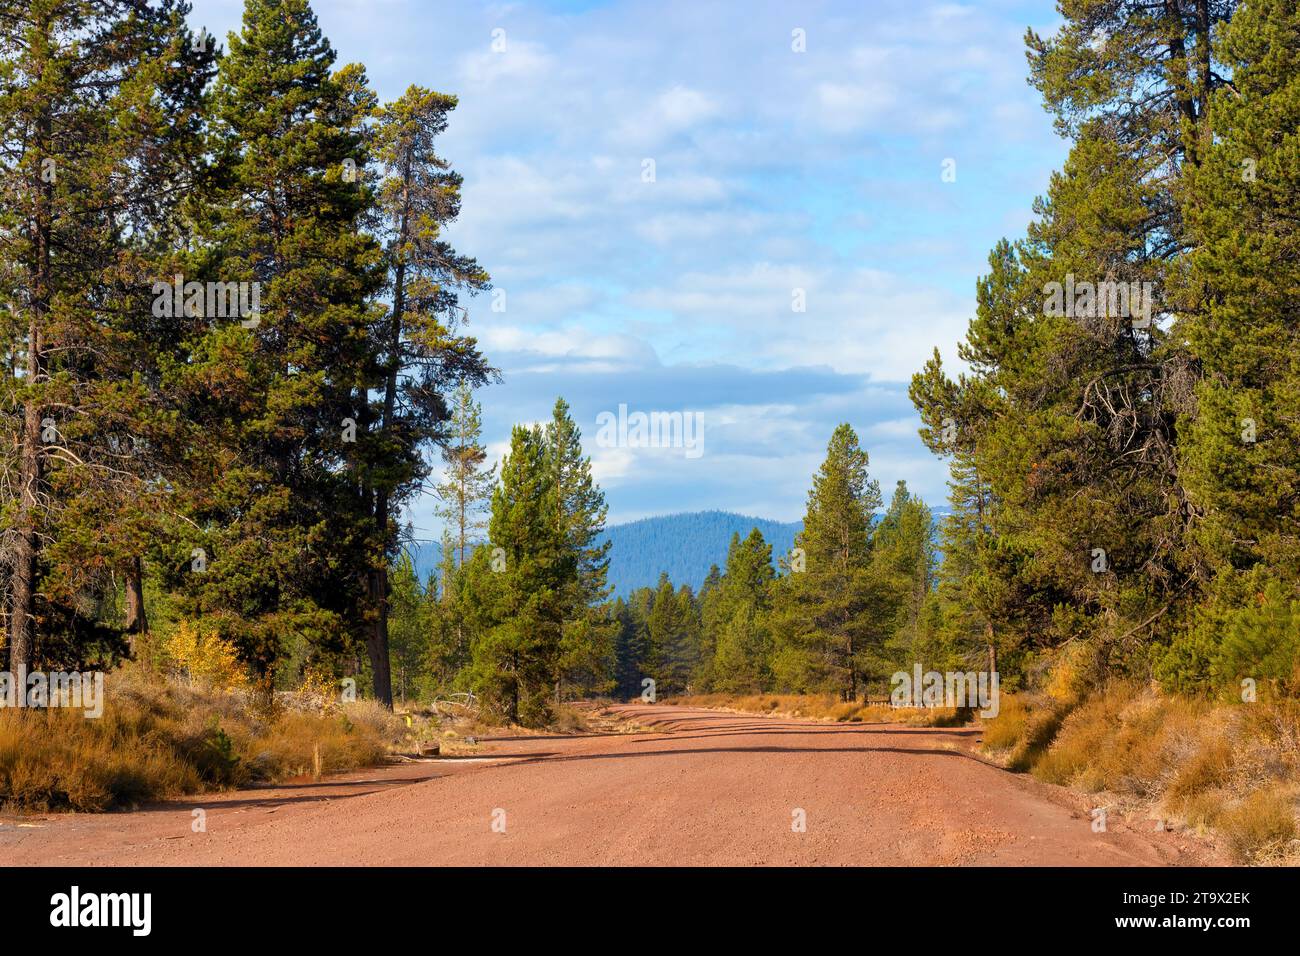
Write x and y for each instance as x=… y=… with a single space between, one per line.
x=467 y=485
x=1240 y=452
x=973 y=585
x=738 y=617
x=1068 y=419
x=588 y=648
x=517 y=584
x=100 y=101
x=408 y=626
x=421 y=354
x=462 y=494
x=631 y=644
x=288 y=535
x=711 y=621
x=673 y=639
x=823 y=615
x=903 y=563
x=691 y=638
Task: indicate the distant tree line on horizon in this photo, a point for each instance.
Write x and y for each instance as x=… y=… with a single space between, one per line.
x=525 y=622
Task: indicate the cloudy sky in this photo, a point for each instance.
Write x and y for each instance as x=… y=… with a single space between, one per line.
x=777 y=175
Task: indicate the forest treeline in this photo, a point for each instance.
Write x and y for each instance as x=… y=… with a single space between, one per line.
x=1124 y=437
x=1126 y=482
x=685 y=545
x=525 y=621
x=231 y=330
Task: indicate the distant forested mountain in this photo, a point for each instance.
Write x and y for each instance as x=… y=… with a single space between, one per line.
x=684 y=545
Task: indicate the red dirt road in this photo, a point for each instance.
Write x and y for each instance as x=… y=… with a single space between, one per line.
x=704 y=788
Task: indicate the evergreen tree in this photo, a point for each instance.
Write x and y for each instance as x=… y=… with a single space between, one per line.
x=1068 y=418
x=408 y=627
x=420 y=354
x=738 y=615
x=517 y=584
x=973 y=591
x=689 y=654
x=99 y=109
x=467 y=485
x=711 y=620
x=450 y=613
x=288 y=537
x=903 y=563
x=588 y=642
x=1240 y=451
x=673 y=637
x=631 y=644
x=823 y=615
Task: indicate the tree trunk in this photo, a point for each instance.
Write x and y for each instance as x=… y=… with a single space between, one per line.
x=377 y=639
x=22 y=621
x=377 y=642
x=993 y=651
x=514 y=689
x=136 y=621
x=853 y=674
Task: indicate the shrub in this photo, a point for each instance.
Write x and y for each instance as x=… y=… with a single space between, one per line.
x=202 y=656
x=1260 y=827
x=1006 y=730
x=1230 y=768
x=1262 y=640
x=162 y=738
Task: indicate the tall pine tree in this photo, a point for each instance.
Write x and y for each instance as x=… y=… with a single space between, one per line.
x=284 y=533
x=823 y=617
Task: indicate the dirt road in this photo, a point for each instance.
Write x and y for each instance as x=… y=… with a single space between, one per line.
x=704 y=788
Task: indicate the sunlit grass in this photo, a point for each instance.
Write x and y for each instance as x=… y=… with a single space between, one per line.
x=160 y=737
x=1232 y=770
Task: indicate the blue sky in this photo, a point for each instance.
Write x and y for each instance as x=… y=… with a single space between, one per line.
x=774 y=171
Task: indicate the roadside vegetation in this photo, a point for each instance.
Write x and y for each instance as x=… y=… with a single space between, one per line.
x=1228 y=770
x=187 y=717
x=163 y=737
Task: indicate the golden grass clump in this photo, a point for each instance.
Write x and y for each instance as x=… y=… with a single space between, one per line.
x=1230 y=769
x=160 y=737
x=1261 y=827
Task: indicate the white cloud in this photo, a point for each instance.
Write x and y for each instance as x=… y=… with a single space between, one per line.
x=774 y=171
x=844 y=107
x=521 y=60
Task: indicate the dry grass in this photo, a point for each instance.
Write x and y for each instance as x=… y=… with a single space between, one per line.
x=1231 y=770
x=824 y=707
x=462 y=732
x=161 y=738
